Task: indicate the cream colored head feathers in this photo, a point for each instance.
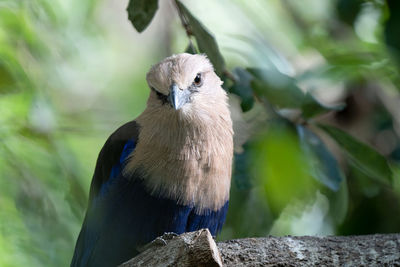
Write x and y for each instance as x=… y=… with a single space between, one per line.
x=185 y=143
x=182 y=70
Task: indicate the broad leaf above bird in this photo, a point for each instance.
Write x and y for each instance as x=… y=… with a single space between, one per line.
x=167 y=171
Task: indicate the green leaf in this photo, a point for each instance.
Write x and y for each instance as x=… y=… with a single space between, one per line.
x=324 y=166
x=281 y=166
x=204 y=38
x=361 y=156
x=279 y=89
x=7 y=81
x=242 y=88
x=392 y=36
x=311 y=107
x=141 y=12
x=348 y=10
x=282 y=91
x=190 y=49
x=339 y=202
x=242 y=175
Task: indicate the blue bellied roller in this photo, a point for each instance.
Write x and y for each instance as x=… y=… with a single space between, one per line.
x=169 y=170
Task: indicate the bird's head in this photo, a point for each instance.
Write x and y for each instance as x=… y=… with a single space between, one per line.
x=185 y=83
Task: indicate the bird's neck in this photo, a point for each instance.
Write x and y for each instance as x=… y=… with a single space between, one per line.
x=186 y=158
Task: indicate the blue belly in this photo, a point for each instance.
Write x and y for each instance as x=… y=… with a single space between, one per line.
x=126 y=217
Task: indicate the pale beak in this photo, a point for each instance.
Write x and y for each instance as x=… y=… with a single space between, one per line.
x=178 y=97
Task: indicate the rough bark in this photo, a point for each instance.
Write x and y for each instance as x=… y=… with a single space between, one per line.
x=189 y=249
x=199 y=249
x=369 y=250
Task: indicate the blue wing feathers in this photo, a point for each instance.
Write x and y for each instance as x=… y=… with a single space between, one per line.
x=117 y=168
x=123 y=217
x=213 y=220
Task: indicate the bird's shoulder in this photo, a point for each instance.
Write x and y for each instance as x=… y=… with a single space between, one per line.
x=117 y=146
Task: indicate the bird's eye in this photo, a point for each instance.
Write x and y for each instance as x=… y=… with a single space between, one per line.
x=197 y=79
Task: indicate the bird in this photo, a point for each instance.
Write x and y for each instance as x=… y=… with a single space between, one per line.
x=169 y=170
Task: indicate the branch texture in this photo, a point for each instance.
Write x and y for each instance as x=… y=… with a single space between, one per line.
x=369 y=250
x=199 y=249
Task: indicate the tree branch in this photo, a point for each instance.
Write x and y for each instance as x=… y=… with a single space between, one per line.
x=199 y=249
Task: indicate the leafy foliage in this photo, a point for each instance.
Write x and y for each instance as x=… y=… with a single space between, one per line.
x=141 y=12
x=306 y=84
x=279 y=89
x=362 y=156
x=391 y=28
x=205 y=40
x=242 y=88
x=323 y=165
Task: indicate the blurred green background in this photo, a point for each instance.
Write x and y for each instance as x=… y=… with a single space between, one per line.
x=314 y=94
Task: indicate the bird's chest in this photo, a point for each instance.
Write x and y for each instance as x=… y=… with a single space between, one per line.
x=189 y=163
x=192 y=176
